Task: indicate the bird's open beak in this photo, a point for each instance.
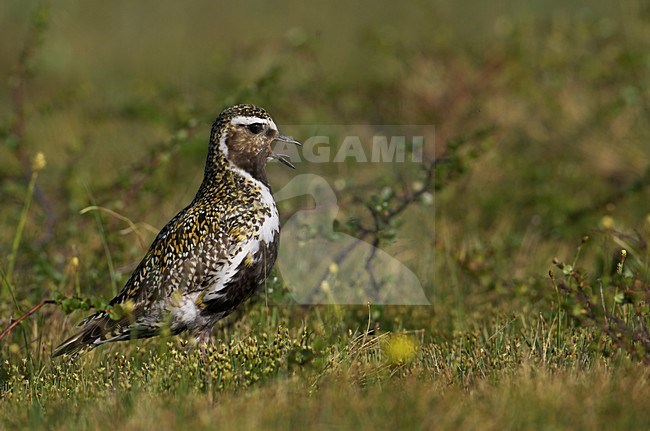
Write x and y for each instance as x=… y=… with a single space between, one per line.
x=288 y=140
x=282 y=158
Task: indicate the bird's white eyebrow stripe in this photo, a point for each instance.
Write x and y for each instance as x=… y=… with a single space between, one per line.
x=244 y=120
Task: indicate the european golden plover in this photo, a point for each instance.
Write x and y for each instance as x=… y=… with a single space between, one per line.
x=212 y=255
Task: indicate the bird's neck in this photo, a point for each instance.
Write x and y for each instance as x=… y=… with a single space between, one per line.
x=222 y=175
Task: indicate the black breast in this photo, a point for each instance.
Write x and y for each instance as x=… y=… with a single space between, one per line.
x=249 y=276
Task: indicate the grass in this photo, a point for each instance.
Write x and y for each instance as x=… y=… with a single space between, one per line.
x=543 y=114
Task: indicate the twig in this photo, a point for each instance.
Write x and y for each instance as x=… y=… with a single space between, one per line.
x=343 y=254
x=28 y=313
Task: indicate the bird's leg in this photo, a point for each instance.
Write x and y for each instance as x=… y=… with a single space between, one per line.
x=204 y=341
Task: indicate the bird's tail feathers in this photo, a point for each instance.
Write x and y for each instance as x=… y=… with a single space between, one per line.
x=96 y=330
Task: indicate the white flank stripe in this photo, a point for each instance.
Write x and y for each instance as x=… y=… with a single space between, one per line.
x=267 y=230
x=272 y=223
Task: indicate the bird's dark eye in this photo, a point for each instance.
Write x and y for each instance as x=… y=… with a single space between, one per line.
x=255 y=128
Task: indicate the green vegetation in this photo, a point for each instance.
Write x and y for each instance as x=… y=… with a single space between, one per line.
x=542 y=118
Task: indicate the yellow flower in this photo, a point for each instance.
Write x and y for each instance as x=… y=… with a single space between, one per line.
x=39 y=162
x=400 y=349
x=607 y=222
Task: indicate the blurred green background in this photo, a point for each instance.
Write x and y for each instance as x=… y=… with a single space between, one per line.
x=120 y=96
x=548 y=102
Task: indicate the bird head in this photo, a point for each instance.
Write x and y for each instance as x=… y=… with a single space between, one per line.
x=242 y=134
